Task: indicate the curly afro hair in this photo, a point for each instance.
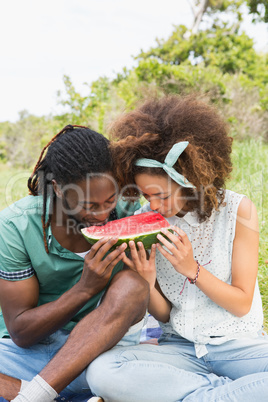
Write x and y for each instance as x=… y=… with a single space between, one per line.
x=153 y=128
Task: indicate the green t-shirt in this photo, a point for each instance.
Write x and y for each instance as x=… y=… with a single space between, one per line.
x=23 y=254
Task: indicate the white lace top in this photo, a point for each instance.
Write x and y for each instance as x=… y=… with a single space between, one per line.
x=194 y=316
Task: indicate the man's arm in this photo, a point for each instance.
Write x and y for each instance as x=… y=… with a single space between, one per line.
x=28 y=323
x=124 y=304
x=94 y=334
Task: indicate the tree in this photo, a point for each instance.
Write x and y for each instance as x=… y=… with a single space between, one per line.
x=21 y=142
x=214 y=58
x=211 y=7
x=259 y=8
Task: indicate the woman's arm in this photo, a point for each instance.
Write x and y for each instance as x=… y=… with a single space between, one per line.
x=237 y=297
x=159 y=306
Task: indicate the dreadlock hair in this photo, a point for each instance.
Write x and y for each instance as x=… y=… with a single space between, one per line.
x=152 y=129
x=68 y=157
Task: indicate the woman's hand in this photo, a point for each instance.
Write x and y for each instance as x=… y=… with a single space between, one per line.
x=180 y=253
x=139 y=262
x=159 y=306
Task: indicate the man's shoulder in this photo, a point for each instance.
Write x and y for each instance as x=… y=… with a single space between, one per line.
x=126 y=208
x=144 y=208
x=30 y=205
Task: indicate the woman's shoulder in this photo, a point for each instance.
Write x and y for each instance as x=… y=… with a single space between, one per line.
x=231 y=197
x=239 y=208
x=247 y=214
x=230 y=204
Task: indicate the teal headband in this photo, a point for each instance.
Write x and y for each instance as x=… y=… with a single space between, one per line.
x=170 y=160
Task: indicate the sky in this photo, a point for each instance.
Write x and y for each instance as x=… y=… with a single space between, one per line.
x=84 y=39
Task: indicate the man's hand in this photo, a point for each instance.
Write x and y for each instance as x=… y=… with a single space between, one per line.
x=98 y=268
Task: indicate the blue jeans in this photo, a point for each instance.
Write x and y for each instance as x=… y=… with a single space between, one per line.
x=234 y=371
x=25 y=363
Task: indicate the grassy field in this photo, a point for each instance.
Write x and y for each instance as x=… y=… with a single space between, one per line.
x=13 y=185
x=249 y=177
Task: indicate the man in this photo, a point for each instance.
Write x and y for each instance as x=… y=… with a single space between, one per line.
x=52 y=280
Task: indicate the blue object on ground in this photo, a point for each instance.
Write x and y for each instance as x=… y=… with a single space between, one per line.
x=151 y=329
x=70 y=398
x=74 y=397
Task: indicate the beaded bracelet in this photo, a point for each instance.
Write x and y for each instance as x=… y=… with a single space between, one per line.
x=191 y=281
x=196 y=276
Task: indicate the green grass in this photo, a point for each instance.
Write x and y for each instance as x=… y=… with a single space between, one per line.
x=13 y=185
x=249 y=177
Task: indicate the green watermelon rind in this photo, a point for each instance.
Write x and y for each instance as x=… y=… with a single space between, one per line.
x=147 y=239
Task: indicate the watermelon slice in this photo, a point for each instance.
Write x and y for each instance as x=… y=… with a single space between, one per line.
x=143 y=227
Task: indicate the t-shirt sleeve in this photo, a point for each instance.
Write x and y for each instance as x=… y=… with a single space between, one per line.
x=126 y=208
x=144 y=208
x=15 y=263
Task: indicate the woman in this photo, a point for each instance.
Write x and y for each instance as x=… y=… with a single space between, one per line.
x=177 y=153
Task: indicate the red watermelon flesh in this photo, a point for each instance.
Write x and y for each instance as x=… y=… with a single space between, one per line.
x=142 y=227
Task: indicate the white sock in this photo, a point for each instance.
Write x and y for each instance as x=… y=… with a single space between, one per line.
x=23 y=384
x=38 y=390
